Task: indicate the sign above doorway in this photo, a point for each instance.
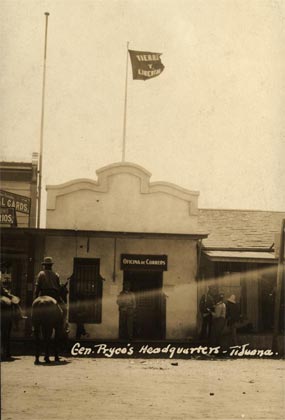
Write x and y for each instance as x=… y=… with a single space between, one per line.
x=143 y=262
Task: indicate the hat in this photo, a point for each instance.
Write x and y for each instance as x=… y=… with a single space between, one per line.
x=47 y=261
x=232 y=299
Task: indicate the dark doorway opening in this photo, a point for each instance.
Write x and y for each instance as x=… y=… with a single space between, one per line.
x=150 y=313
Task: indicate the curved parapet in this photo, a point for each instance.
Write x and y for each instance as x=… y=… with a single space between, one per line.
x=120 y=187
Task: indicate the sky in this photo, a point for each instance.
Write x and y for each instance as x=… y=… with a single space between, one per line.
x=213 y=121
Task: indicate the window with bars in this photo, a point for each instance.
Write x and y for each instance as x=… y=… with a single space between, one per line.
x=85 y=299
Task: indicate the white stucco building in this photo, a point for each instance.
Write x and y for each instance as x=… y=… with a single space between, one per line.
x=123 y=228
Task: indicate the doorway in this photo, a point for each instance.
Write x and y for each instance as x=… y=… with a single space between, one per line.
x=150 y=314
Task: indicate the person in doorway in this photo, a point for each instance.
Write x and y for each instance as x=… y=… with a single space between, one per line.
x=206 y=307
x=127 y=306
x=48 y=284
x=218 y=321
x=232 y=316
x=81 y=316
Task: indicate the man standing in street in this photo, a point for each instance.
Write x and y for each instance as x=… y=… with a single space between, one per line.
x=127 y=305
x=232 y=316
x=206 y=305
x=218 y=322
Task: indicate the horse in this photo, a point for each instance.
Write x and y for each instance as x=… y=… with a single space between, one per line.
x=48 y=317
x=8 y=315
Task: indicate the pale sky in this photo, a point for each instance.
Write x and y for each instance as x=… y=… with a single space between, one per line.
x=213 y=121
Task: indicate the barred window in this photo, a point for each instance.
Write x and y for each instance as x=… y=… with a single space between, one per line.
x=85 y=300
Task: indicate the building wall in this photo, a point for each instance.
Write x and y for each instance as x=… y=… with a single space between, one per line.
x=122 y=199
x=179 y=283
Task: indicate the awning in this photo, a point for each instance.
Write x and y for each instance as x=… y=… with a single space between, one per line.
x=241 y=256
x=16 y=232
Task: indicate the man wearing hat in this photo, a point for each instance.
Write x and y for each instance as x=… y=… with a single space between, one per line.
x=233 y=316
x=206 y=305
x=48 y=284
x=219 y=320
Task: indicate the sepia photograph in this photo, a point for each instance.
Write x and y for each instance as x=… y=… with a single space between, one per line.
x=142 y=209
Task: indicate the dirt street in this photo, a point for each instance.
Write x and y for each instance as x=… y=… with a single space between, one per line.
x=119 y=389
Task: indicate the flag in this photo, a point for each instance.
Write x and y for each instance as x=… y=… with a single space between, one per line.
x=146 y=65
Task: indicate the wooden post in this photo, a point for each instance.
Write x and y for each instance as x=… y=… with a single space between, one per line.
x=280 y=280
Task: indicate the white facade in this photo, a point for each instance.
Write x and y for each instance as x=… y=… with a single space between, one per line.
x=156 y=218
x=179 y=283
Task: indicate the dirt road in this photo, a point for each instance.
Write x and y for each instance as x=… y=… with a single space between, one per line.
x=124 y=389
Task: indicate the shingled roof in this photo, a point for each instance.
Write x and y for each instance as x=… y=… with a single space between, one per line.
x=240 y=228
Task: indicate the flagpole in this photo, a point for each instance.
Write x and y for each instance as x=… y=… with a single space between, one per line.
x=125 y=107
x=42 y=124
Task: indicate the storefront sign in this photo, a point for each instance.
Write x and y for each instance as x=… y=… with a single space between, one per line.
x=143 y=262
x=8 y=217
x=18 y=202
